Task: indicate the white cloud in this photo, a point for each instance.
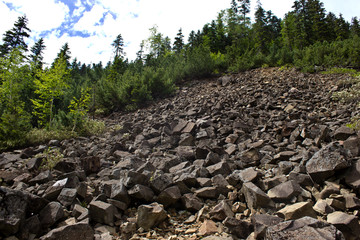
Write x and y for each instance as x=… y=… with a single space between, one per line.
x=89 y=20
x=42 y=14
x=119 y=18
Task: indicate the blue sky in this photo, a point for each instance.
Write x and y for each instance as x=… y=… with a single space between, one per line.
x=90 y=26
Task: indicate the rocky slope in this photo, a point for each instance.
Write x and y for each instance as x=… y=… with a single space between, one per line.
x=260 y=154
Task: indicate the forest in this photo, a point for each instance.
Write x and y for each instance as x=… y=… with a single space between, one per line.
x=39 y=103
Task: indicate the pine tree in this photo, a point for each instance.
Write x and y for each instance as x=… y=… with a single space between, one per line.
x=36 y=54
x=260 y=28
x=118 y=46
x=15 y=38
x=342 y=28
x=64 y=54
x=179 y=42
x=355 y=26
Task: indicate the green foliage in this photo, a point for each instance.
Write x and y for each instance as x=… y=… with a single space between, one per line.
x=14 y=121
x=79 y=108
x=50 y=157
x=50 y=85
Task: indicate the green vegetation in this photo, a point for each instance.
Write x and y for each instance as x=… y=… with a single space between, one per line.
x=37 y=103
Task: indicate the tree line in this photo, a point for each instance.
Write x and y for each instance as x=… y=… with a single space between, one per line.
x=61 y=97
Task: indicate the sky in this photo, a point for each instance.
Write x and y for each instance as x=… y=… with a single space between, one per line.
x=90 y=26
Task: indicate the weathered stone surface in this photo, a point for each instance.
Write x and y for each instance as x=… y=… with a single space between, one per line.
x=219 y=168
x=150 y=215
x=352 y=177
x=323 y=207
x=76 y=231
x=297 y=210
x=327 y=161
x=141 y=192
x=207 y=227
x=67 y=196
x=347 y=224
x=191 y=202
x=239 y=228
x=343 y=133
x=13 y=207
x=42 y=177
x=261 y=222
x=169 y=196
x=207 y=192
x=255 y=197
x=353 y=145
x=285 y=191
x=102 y=212
x=303 y=228
x=221 y=211
x=50 y=214
x=90 y=164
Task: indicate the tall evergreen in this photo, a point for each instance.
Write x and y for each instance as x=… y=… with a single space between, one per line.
x=15 y=37
x=179 y=42
x=118 y=45
x=37 y=53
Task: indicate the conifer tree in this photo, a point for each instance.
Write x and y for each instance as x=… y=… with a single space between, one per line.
x=36 y=54
x=15 y=38
x=118 y=46
x=179 y=42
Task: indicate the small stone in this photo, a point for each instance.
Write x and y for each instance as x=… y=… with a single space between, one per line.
x=207 y=227
x=323 y=207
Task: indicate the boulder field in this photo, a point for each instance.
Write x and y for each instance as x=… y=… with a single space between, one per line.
x=264 y=154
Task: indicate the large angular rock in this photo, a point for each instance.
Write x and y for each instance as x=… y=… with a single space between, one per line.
x=191 y=202
x=102 y=212
x=67 y=196
x=261 y=222
x=343 y=133
x=352 y=177
x=169 y=196
x=353 y=145
x=141 y=192
x=50 y=214
x=76 y=231
x=42 y=177
x=303 y=228
x=285 y=191
x=219 y=168
x=221 y=211
x=13 y=206
x=297 y=210
x=327 y=161
x=255 y=197
x=347 y=224
x=239 y=228
x=150 y=215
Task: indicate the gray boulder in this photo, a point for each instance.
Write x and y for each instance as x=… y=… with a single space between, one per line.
x=303 y=228
x=150 y=215
x=327 y=161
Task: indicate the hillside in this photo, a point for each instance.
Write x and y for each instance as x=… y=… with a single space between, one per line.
x=260 y=154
